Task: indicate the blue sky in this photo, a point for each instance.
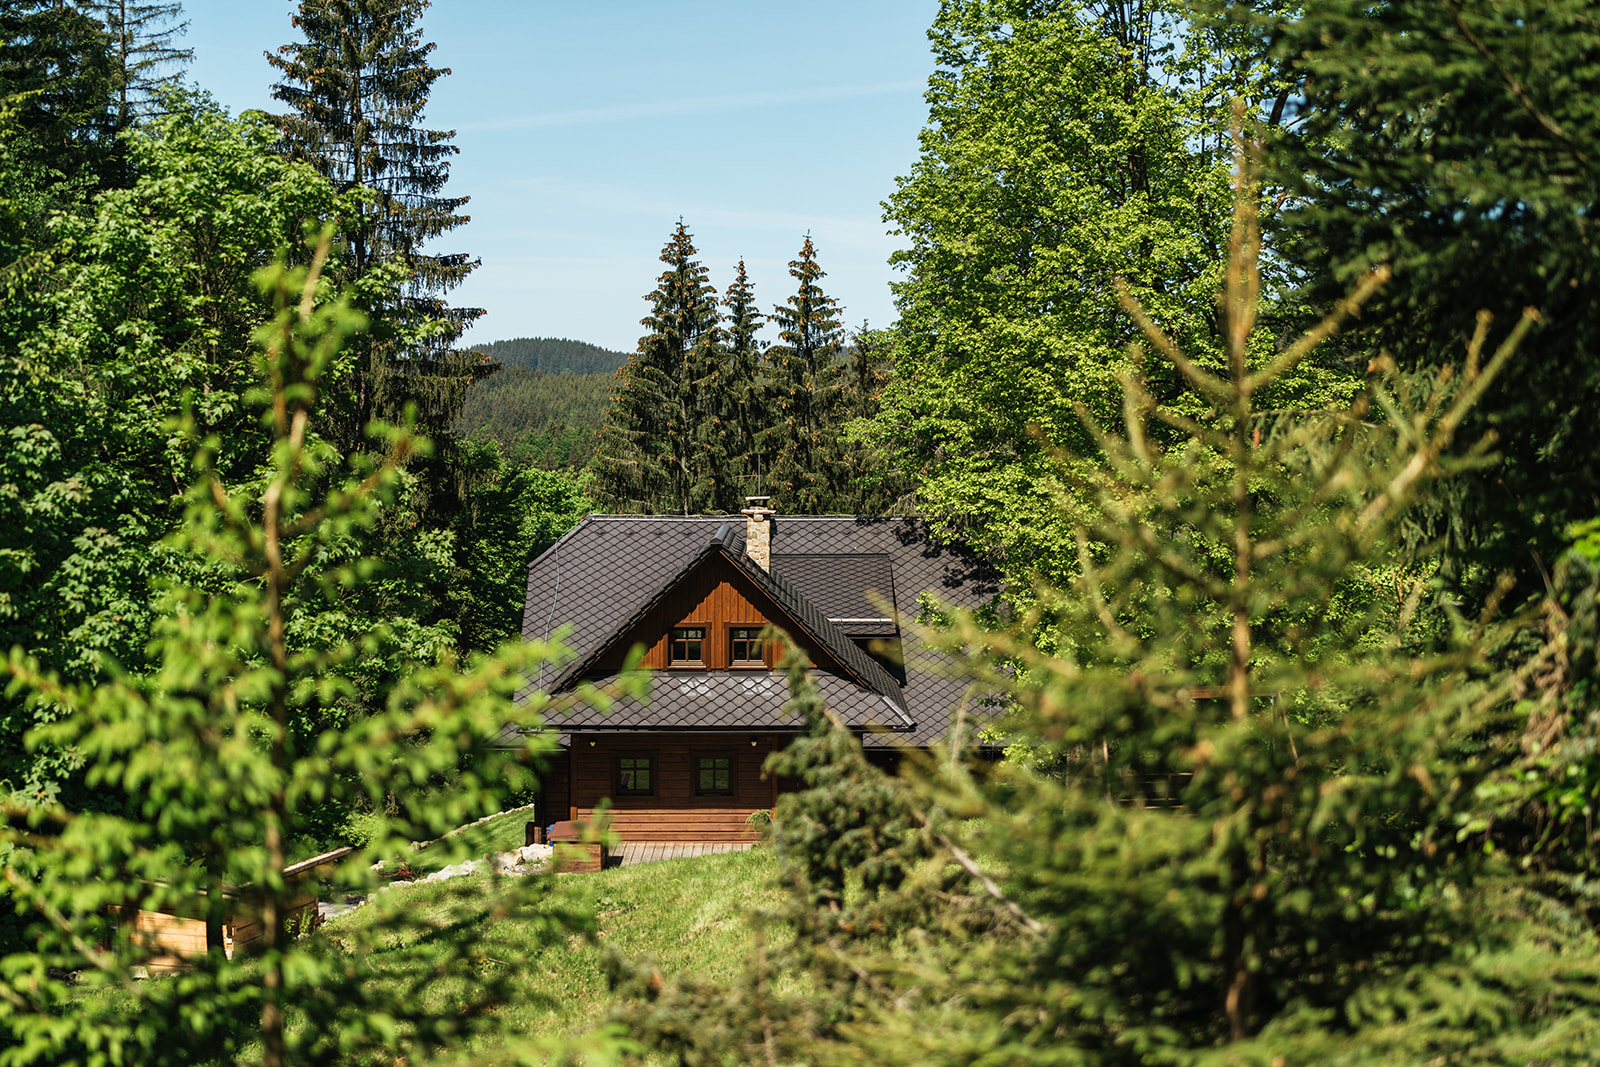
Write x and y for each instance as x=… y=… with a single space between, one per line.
x=586 y=129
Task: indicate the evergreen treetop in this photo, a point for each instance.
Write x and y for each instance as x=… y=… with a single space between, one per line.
x=143 y=38
x=805 y=377
x=736 y=396
x=356 y=88
x=58 y=72
x=650 y=457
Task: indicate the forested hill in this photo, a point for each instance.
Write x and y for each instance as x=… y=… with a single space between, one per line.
x=554 y=355
x=547 y=401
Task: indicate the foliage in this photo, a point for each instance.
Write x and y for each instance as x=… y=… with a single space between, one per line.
x=57 y=70
x=1068 y=144
x=738 y=403
x=1542 y=808
x=224 y=749
x=650 y=457
x=1455 y=143
x=1252 y=841
x=845 y=842
x=687 y=915
x=805 y=384
x=540 y=419
x=514 y=513
x=871 y=484
x=356 y=87
x=143 y=35
x=113 y=315
x=554 y=355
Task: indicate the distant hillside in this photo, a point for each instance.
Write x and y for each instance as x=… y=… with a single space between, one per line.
x=554 y=355
x=547 y=401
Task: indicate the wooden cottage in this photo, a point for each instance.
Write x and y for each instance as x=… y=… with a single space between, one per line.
x=697 y=593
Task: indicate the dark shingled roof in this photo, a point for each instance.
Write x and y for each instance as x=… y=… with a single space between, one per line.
x=608 y=570
x=725 y=700
x=854 y=590
x=863 y=669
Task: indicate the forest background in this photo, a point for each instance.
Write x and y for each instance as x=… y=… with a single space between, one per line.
x=1314 y=564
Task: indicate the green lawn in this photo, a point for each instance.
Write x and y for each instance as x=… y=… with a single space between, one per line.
x=500 y=834
x=687 y=914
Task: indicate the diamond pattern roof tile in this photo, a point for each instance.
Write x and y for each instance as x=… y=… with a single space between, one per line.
x=608 y=568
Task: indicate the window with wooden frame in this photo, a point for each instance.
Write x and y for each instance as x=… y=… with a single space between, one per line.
x=636 y=775
x=744 y=647
x=688 y=646
x=713 y=776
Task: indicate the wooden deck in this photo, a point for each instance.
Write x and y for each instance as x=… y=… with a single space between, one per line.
x=651 y=851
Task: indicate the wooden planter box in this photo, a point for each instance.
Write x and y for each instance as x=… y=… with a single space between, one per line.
x=572 y=854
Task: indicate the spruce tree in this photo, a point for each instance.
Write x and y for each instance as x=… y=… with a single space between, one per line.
x=58 y=72
x=356 y=87
x=1456 y=143
x=1244 y=824
x=216 y=761
x=651 y=457
x=872 y=484
x=143 y=36
x=806 y=385
x=746 y=406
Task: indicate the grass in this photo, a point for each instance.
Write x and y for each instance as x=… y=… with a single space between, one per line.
x=513 y=944
x=688 y=915
x=501 y=834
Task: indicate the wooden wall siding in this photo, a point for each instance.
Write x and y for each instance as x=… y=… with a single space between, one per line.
x=172 y=939
x=718 y=596
x=674 y=812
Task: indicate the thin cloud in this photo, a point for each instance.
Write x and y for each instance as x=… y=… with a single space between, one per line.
x=691 y=106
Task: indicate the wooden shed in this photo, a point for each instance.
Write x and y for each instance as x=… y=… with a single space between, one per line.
x=178 y=933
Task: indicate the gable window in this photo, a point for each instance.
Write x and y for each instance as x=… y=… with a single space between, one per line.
x=635 y=776
x=688 y=645
x=745 y=646
x=713 y=776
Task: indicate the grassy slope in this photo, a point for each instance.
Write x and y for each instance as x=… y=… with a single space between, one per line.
x=687 y=914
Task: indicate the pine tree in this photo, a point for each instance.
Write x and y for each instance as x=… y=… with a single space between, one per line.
x=806 y=386
x=742 y=398
x=1251 y=828
x=216 y=760
x=58 y=73
x=356 y=87
x=142 y=36
x=651 y=456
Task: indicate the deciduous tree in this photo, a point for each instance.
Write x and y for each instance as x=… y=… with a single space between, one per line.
x=1069 y=143
x=221 y=753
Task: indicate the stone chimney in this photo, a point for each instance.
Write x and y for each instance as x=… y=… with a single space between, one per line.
x=758 y=531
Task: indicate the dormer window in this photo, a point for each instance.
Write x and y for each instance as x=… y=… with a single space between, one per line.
x=744 y=647
x=688 y=646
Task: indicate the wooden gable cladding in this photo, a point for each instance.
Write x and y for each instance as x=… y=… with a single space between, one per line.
x=715 y=594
